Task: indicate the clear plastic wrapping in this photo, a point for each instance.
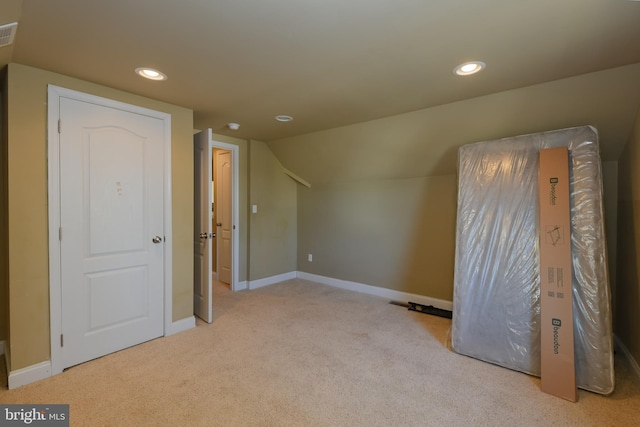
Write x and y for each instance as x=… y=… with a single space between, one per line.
x=496 y=304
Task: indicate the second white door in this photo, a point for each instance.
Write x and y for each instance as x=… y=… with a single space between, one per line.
x=223 y=215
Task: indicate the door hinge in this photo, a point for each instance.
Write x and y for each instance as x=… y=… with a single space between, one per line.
x=60 y=233
x=61 y=340
x=59 y=125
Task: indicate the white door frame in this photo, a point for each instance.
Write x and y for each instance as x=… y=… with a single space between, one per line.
x=235 y=200
x=55 y=286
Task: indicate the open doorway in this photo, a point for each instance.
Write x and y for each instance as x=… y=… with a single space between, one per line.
x=222 y=223
x=215 y=219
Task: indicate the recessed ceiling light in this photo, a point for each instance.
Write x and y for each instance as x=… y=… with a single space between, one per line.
x=283 y=118
x=151 y=74
x=469 y=68
x=233 y=126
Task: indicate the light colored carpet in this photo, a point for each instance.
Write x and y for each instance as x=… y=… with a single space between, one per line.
x=303 y=354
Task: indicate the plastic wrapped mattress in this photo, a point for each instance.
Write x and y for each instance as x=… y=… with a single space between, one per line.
x=496 y=304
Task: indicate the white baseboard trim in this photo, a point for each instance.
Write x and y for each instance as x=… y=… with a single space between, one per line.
x=42 y=370
x=181 y=326
x=30 y=374
x=374 y=290
x=632 y=362
x=241 y=286
x=255 y=284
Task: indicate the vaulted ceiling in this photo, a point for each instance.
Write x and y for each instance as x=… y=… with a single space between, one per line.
x=327 y=63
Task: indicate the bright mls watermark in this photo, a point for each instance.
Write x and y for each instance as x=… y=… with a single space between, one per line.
x=34 y=415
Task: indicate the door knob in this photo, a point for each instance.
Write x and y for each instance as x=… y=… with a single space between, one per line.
x=219 y=224
x=157 y=239
x=203 y=235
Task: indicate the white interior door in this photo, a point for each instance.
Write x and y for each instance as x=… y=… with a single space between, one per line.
x=202 y=286
x=224 y=217
x=225 y=169
x=111 y=167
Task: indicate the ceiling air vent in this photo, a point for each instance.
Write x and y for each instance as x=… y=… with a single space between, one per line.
x=7 y=33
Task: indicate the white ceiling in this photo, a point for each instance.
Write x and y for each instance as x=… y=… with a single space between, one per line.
x=327 y=63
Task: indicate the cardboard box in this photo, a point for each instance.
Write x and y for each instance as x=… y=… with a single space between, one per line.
x=557 y=369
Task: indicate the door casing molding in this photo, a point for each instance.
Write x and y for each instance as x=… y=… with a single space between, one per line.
x=54 y=93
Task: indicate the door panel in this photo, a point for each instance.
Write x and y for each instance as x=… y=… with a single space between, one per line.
x=224 y=211
x=111 y=199
x=104 y=289
x=115 y=177
x=202 y=286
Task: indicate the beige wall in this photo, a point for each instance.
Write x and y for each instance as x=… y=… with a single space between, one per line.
x=610 y=193
x=4 y=226
x=382 y=205
x=273 y=229
x=28 y=215
x=396 y=234
x=627 y=292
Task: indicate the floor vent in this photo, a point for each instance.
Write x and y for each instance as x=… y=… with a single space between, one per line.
x=7 y=33
x=429 y=309
x=421 y=308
